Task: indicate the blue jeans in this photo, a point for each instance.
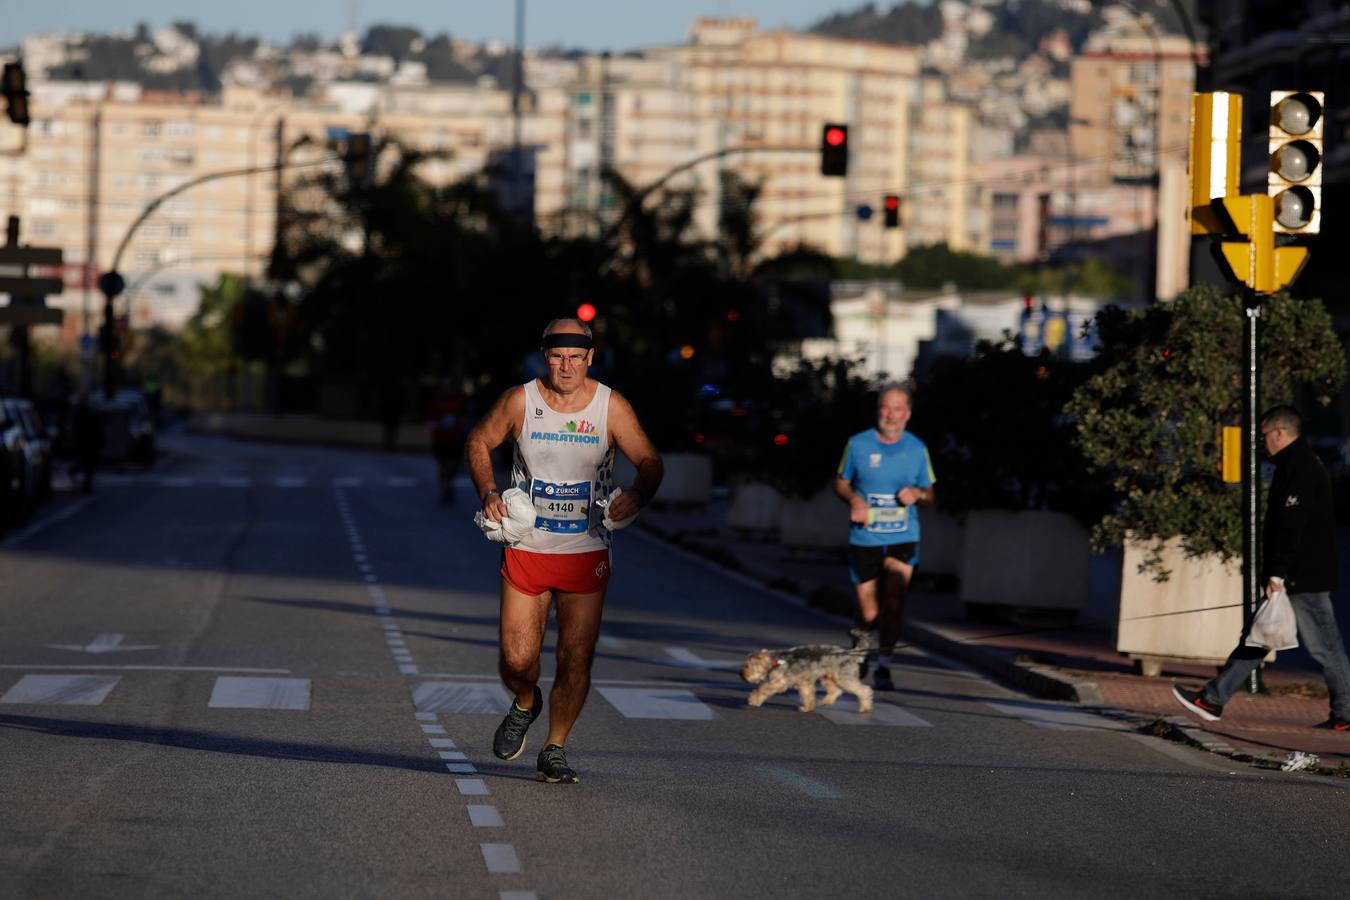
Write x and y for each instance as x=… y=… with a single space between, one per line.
x=1318 y=632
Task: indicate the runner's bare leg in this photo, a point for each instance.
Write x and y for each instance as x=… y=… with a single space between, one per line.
x=524 y=617
x=578 y=630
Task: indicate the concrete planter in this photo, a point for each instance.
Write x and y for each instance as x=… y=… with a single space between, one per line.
x=820 y=523
x=941 y=538
x=1033 y=559
x=1174 y=620
x=755 y=507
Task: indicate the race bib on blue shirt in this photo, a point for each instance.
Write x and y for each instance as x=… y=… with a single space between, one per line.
x=885 y=515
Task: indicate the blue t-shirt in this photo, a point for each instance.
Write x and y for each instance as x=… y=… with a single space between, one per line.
x=877 y=471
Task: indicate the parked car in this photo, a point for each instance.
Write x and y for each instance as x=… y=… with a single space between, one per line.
x=35 y=445
x=128 y=426
x=28 y=453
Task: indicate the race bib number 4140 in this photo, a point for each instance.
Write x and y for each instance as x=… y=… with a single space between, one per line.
x=561 y=508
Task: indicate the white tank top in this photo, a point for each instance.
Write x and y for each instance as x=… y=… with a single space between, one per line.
x=565 y=463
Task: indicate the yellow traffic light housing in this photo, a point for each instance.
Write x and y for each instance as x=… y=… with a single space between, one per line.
x=1295 y=179
x=1256 y=261
x=1213 y=168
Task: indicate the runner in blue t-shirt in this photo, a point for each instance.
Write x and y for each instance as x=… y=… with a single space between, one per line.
x=884 y=476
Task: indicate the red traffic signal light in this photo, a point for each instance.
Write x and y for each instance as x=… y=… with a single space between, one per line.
x=891 y=210
x=586 y=312
x=834 y=150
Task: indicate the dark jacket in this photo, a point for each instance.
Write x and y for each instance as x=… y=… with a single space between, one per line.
x=1299 y=542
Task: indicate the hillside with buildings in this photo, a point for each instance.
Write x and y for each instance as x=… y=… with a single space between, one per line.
x=1016 y=130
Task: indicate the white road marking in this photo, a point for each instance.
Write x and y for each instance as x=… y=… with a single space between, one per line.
x=500 y=858
x=610 y=643
x=425 y=717
x=690 y=659
x=1050 y=715
x=104 y=643
x=460 y=768
x=659 y=703
x=260 y=693
x=447 y=743
x=802 y=783
x=517 y=895
x=845 y=712
x=395 y=642
x=433 y=729
x=65 y=690
x=459 y=697
x=451 y=755
x=484 y=815
x=407 y=670
x=472 y=787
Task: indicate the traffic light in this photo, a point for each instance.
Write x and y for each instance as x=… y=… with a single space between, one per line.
x=834 y=150
x=1295 y=179
x=1254 y=259
x=890 y=206
x=359 y=159
x=14 y=85
x=1213 y=168
x=586 y=312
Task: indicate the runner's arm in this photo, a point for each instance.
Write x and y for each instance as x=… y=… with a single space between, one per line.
x=498 y=425
x=627 y=434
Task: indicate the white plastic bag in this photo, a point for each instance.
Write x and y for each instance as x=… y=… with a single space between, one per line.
x=517 y=524
x=608 y=522
x=1274 y=626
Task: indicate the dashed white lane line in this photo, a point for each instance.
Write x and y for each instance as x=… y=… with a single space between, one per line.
x=440 y=743
x=66 y=690
x=472 y=787
x=484 y=815
x=460 y=768
x=433 y=729
x=454 y=755
x=501 y=859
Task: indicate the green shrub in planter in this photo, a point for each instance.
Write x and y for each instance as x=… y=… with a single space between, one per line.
x=814 y=410
x=1166 y=379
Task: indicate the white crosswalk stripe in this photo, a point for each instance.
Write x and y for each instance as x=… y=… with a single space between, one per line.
x=232 y=692
x=1047 y=715
x=64 y=690
x=460 y=697
x=845 y=712
x=656 y=703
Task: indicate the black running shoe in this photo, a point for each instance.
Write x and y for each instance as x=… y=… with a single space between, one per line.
x=1335 y=723
x=1196 y=703
x=553 y=767
x=882 y=679
x=509 y=741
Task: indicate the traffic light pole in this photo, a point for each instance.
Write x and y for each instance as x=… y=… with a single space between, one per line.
x=1251 y=482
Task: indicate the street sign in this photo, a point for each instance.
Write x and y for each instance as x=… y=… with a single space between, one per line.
x=30 y=287
x=30 y=256
x=30 y=314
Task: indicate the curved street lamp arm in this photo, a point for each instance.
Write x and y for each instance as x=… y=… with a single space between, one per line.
x=211 y=176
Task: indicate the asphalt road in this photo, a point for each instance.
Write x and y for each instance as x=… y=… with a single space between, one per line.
x=268 y=671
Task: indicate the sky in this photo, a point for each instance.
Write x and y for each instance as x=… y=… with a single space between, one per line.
x=590 y=24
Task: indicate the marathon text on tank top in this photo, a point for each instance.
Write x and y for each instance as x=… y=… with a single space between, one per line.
x=565 y=463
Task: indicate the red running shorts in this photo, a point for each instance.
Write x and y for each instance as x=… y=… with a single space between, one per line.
x=571 y=573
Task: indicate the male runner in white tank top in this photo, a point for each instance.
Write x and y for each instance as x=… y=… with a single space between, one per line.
x=566 y=427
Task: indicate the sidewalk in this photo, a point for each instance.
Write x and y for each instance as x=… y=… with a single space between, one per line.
x=1078 y=662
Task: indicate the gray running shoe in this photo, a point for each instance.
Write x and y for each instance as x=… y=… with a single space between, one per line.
x=553 y=767
x=509 y=741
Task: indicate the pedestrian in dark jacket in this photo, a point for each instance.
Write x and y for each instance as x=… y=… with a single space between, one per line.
x=1298 y=557
x=87 y=430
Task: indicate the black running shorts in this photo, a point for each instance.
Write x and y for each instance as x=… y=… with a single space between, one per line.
x=867 y=563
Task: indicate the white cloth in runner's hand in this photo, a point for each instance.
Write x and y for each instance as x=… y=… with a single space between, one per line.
x=608 y=522
x=518 y=522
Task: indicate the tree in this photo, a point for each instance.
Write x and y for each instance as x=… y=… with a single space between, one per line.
x=1167 y=378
